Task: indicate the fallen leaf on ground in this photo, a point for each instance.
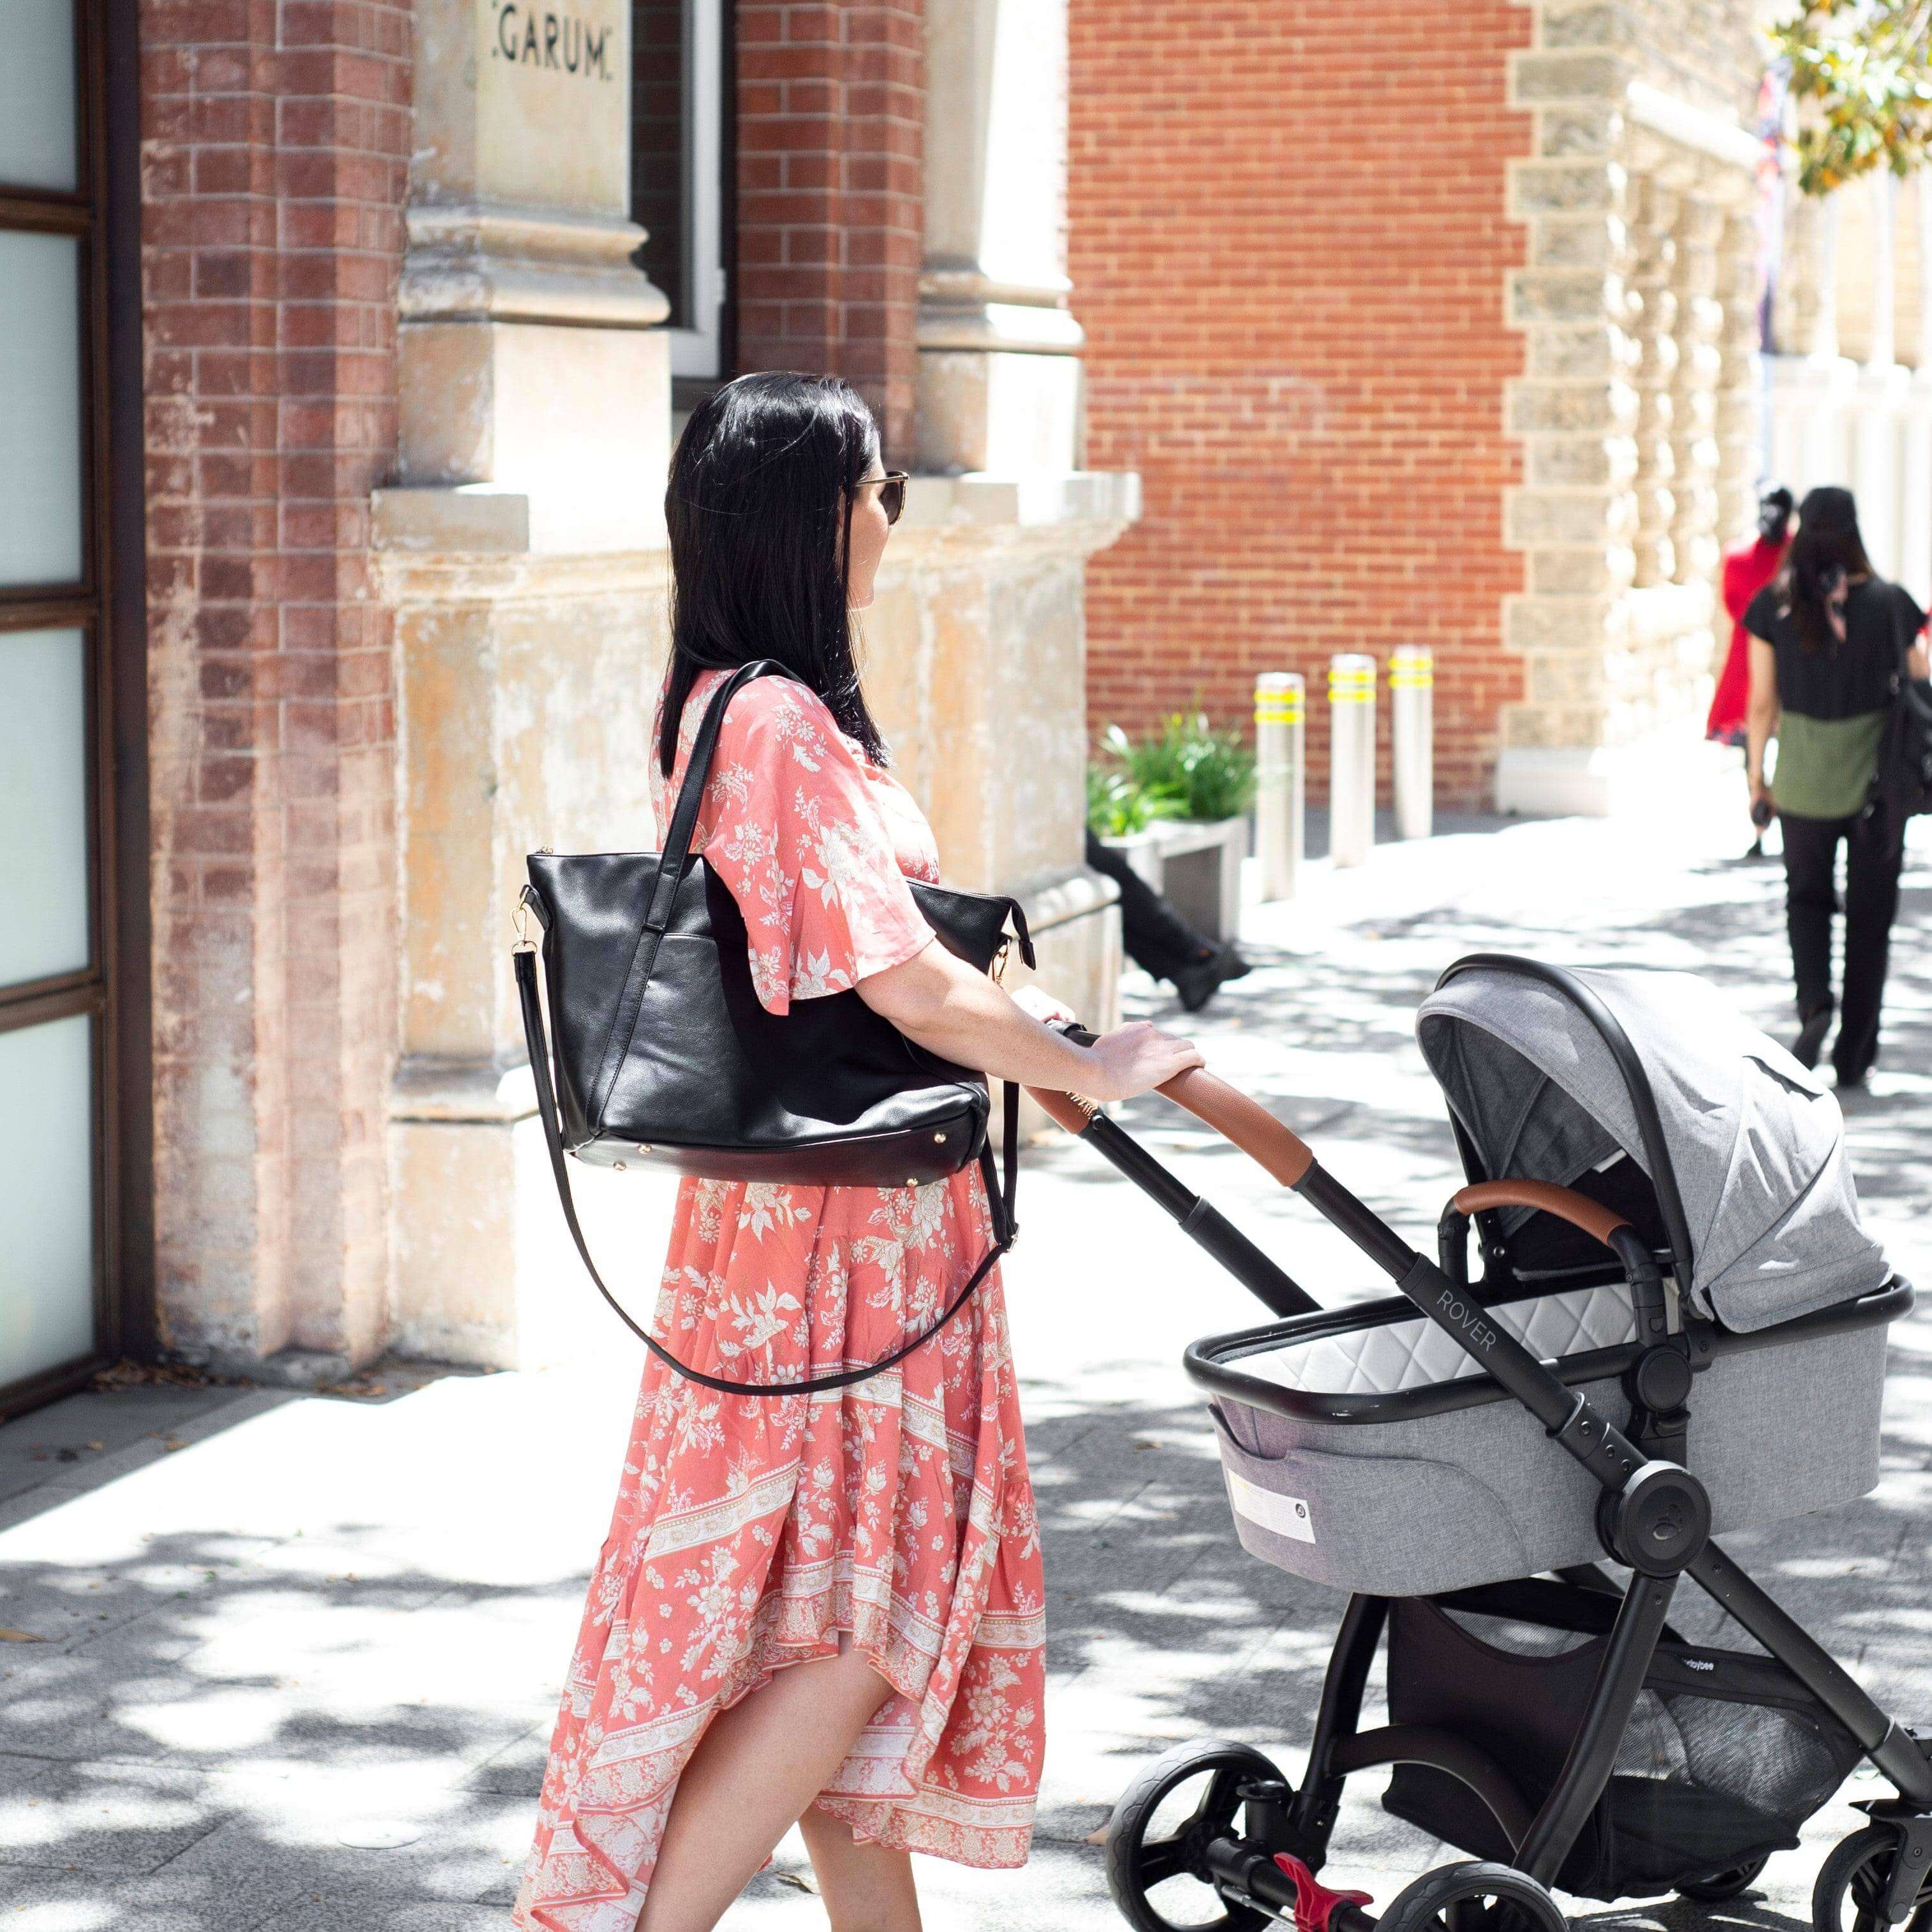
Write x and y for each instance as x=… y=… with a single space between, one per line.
x=20 y=1636
x=797 y=1883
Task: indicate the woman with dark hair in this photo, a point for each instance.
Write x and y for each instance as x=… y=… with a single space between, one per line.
x=1830 y=640
x=824 y=1610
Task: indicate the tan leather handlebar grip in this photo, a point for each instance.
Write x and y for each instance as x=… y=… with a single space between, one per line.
x=1565 y=1203
x=1246 y=1122
x=1226 y=1109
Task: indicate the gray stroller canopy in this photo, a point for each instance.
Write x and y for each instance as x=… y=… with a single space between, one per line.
x=1755 y=1142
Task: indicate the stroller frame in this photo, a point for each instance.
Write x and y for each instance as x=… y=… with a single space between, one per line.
x=1653 y=1515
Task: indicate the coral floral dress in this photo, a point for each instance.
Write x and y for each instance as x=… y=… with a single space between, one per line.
x=750 y=1531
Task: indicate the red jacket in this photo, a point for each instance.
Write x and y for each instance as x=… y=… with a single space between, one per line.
x=1748 y=569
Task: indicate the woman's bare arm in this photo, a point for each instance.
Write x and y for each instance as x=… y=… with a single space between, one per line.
x=949 y=1009
x=1761 y=716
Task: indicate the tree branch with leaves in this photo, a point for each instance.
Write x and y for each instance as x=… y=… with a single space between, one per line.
x=1861 y=71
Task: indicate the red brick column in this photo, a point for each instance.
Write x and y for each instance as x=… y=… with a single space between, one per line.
x=274 y=153
x=830 y=99
x=1289 y=243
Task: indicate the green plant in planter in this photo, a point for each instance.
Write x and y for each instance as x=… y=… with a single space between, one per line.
x=1116 y=806
x=1194 y=770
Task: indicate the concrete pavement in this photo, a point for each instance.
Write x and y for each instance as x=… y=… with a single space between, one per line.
x=297 y=1656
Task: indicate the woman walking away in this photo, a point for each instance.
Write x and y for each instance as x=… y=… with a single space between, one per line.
x=1830 y=639
x=1748 y=568
x=826 y=1609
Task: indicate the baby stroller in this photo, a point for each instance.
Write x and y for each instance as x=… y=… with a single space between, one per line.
x=1678 y=1328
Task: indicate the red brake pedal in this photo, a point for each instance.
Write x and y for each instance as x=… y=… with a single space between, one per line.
x=1314 y=1903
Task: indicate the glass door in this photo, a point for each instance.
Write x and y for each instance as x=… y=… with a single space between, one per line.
x=54 y=979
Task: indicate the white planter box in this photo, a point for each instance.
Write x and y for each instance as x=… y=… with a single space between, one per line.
x=1195 y=864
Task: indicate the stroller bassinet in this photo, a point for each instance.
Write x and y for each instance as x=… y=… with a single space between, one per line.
x=1679 y=1327
x=1364 y=1449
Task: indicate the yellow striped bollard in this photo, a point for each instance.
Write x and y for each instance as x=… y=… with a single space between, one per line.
x=1280 y=785
x=1352 y=758
x=1412 y=732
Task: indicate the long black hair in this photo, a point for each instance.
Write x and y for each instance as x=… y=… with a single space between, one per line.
x=1826 y=553
x=759 y=508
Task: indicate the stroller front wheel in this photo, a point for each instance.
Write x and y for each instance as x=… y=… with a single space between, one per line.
x=1474 y=1896
x=1151 y=1838
x=1850 y=1894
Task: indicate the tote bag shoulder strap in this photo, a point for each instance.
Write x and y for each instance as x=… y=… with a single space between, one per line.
x=691 y=795
x=670 y=869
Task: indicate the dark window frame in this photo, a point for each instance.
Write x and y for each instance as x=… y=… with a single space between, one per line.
x=106 y=604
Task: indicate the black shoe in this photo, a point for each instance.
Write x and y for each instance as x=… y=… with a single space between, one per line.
x=1197 y=984
x=1854 y=1083
x=1810 y=1040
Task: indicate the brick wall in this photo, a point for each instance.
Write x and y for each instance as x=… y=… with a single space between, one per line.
x=1288 y=247
x=274 y=144
x=830 y=100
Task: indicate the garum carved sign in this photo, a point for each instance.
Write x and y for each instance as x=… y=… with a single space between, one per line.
x=530 y=36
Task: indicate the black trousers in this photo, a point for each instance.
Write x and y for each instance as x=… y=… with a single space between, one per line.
x=1158 y=940
x=1874 y=851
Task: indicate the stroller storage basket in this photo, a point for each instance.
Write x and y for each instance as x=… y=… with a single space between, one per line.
x=1362 y=1448
x=1726 y=1756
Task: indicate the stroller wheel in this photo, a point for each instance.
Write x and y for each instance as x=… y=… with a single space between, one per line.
x=1722 y=1886
x=1476 y=1897
x=1850 y=1895
x=1145 y=1851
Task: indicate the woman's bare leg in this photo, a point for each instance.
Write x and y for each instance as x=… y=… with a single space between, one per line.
x=753 y=1772
x=865 y=1888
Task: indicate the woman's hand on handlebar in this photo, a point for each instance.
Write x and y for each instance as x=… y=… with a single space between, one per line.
x=948 y=1009
x=1136 y=1058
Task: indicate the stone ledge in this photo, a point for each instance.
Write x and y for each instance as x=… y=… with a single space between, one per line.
x=469 y=261
x=1685 y=126
x=1053 y=899
x=487 y=1092
x=472 y=542
x=981 y=498
x=474 y=519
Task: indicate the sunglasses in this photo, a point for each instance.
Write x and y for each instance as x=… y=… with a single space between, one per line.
x=891 y=491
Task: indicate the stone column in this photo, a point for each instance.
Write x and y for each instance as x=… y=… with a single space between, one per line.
x=989 y=575
x=527 y=369
x=1575 y=412
x=999 y=376
x=1804 y=313
x=1735 y=424
x=1652 y=308
x=1613 y=621
x=522 y=549
x=1698 y=229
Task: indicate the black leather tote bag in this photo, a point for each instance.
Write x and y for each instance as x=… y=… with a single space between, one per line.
x=665 y=1057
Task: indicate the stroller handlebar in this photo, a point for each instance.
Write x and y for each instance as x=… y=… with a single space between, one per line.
x=1600 y=1223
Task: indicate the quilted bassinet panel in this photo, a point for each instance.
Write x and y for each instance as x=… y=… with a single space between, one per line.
x=1478 y=1494
x=1381 y=1360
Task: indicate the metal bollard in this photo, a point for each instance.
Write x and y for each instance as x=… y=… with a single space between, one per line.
x=1411 y=738
x=1352 y=758
x=1280 y=786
